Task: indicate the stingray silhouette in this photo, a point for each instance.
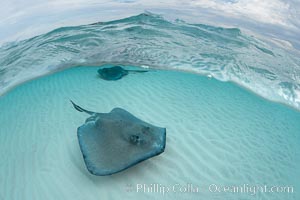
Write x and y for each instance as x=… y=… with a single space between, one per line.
x=112 y=142
x=116 y=72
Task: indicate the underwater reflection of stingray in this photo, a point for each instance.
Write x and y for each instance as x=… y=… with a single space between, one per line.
x=116 y=73
x=112 y=142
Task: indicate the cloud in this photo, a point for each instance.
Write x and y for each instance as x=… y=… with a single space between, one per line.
x=267 y=11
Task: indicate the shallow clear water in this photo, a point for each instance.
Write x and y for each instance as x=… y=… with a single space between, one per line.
x=217 y=133
x=147 y=39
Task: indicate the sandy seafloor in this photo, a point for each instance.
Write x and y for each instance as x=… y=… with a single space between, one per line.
x=217 y=133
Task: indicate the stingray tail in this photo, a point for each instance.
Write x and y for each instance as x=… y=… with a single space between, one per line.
x=138 y=71
x=81 y=109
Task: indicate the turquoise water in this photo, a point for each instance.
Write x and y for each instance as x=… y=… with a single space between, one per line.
x=217 y=133
x=148 y=39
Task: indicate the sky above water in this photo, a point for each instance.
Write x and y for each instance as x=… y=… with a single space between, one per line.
x=276 y=19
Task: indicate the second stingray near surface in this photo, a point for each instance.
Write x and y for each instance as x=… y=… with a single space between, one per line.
x=112 y=142
x=116 y=72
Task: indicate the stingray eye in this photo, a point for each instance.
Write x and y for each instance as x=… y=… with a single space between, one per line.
x=134 y=139
x=146 y=129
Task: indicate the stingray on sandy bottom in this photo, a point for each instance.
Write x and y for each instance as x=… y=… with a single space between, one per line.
x=112 y=142
x=115 y=73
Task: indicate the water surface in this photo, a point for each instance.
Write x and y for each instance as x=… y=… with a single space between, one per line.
x=147 y=39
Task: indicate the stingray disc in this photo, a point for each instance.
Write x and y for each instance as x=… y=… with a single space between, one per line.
x=112 y=142
x=112 y=73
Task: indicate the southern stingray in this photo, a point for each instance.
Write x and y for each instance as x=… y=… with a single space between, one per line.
x=115 y=73
x=112 y=142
